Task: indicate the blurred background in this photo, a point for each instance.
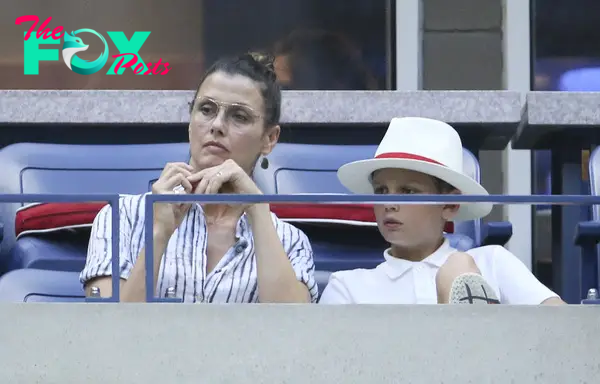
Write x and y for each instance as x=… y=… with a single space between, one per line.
x=191 y=34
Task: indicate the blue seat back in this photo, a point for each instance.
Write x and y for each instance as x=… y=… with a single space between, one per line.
x=312 y=168
x=55 y=168
x=308 y=168
x=36 y=285
x=304 y=168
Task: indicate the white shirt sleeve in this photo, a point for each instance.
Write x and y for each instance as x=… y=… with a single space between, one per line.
x=99 y=255
x=335 y=292
x=300 y=254
x=516 y=283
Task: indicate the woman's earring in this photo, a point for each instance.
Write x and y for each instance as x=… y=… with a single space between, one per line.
x=264 y=163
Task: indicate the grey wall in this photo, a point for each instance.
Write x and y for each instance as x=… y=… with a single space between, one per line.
x=462 y=50
x=304 y=344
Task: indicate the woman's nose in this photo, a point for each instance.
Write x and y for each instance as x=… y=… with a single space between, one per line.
x=218 y=124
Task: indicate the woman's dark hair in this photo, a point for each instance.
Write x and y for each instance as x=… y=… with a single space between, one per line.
x=324 y=60
x=259 y=68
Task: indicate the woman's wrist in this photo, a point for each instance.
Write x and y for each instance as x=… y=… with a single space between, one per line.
x=160 y=232
x=258 y=209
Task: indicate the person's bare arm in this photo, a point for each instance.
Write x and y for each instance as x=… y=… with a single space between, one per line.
x=277 y=281
x=104 y=284
x=167 y=218
x=553 y=301
x=134 y=288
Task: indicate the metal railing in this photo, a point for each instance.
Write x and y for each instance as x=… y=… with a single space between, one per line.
x=113 y=200
x=312 y=198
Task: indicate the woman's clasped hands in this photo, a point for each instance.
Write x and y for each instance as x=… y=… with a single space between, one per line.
x=180 y=178
x=228 y=175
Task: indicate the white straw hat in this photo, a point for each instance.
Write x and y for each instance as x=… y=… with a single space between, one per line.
x=423 y=145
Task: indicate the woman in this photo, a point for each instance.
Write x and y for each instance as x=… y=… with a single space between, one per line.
x=213 y=253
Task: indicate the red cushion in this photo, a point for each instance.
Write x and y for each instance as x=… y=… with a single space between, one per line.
x=347 y=212
x=335 y=212
x=52 y=216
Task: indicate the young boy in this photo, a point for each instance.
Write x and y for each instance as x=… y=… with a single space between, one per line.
x=424 y=156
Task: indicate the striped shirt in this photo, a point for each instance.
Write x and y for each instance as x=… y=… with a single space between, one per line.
x=183 y=265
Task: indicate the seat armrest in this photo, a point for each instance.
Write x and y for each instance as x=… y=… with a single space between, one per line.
x=590 y=301
x=587 y=233
x=496 y=233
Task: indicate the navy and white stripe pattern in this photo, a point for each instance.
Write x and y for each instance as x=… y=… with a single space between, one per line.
x=233 y=280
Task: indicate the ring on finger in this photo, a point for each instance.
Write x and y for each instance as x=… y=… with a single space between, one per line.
x=179 y=189
x=219 y=174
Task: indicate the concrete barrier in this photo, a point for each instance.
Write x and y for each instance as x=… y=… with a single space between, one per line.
x=484 y=119
x=298 y=107
x=176 y=343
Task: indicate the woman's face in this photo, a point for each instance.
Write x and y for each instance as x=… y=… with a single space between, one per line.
x=228 y=122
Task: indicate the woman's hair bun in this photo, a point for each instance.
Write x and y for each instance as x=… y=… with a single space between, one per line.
x=266 y=61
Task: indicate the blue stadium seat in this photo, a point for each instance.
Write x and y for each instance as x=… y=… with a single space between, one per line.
x=60 y=252
x=55 y=168
x=301 y=168
x=587 y=234
x=490 y=233
x=37 y=285
x=52 y=168
x=322 y=278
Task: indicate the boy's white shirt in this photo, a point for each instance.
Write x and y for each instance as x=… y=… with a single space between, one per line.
x=397 y=281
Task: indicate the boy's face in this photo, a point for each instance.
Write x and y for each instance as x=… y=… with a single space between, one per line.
x=408 y=225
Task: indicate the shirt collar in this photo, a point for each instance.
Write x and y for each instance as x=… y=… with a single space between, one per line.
x=395 y=267
x=440 y=256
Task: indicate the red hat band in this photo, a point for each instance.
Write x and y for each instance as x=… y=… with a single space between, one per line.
x=408 y=156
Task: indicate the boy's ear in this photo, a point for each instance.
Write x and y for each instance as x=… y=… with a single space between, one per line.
x=450 y=210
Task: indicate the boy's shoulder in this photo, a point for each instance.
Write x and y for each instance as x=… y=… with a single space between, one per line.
x=488 y=250
x=491 y=255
